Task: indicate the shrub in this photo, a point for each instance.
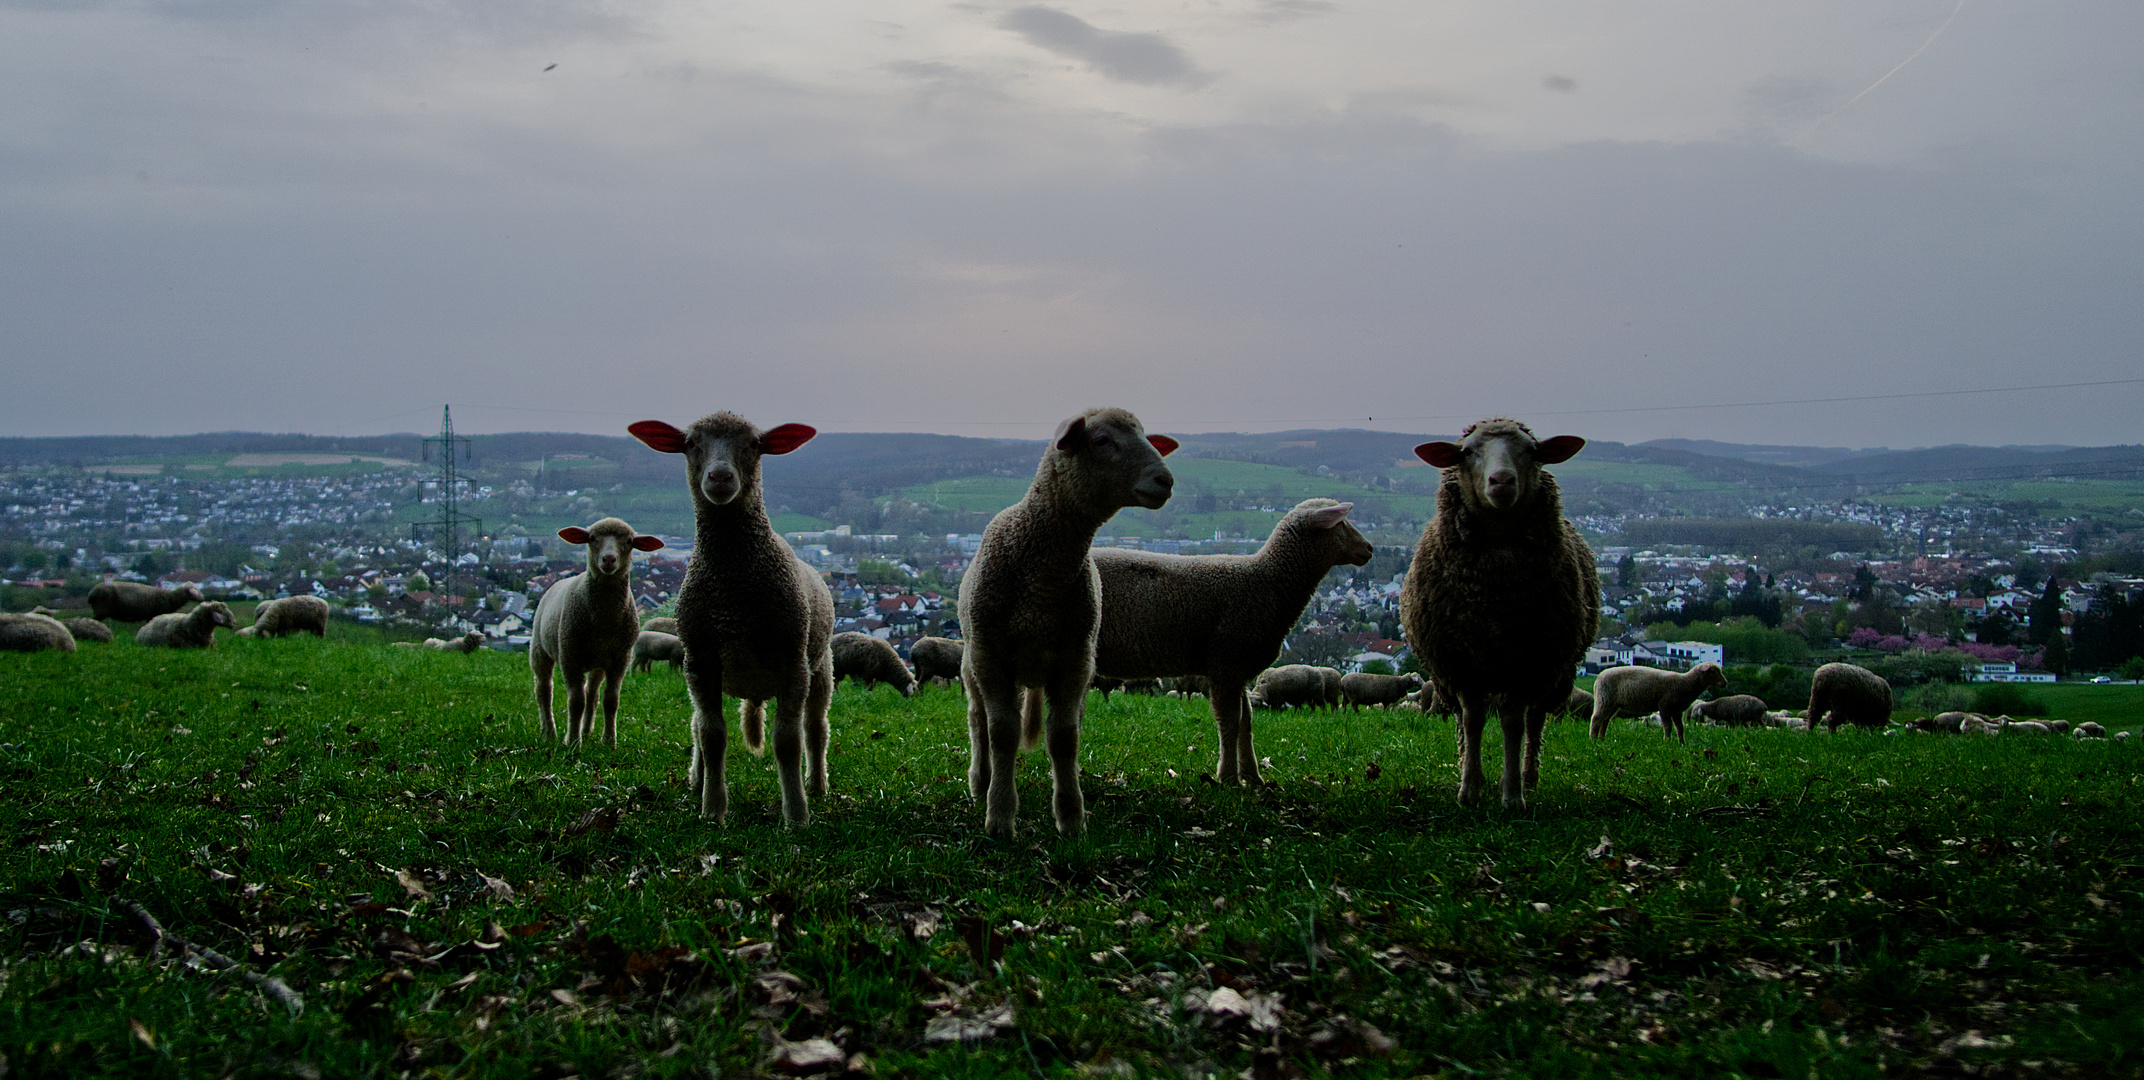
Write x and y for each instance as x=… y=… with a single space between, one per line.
x=2132 y=668
x=1939 y=698
x=2006 y=699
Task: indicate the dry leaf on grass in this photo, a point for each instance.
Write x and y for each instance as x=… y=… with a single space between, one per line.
x=808 y=1055
x=497 y=887
x=413 y=885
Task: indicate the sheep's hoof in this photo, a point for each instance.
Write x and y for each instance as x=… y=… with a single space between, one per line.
x=998 y=831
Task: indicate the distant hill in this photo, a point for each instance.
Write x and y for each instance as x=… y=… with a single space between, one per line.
x=1797 y=456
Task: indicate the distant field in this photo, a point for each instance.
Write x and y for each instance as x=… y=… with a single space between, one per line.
x=384 y=831
x=2082 y=494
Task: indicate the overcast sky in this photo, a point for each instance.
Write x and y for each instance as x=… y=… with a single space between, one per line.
x=977 y=218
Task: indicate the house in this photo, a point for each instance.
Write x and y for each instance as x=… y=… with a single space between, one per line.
x=2008 y=672
x=1684 y=655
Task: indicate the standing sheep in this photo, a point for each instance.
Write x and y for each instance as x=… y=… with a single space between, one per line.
x=289 y=615
x=1362 y=688
x=1735 y=710
x=1502 y=597
x=32 y=632
x=129 y=601
x=654 y=645
x=871 y=660
x=1636 y=691
x=194 y=630
x=1290 y=685
x=1031 y=607
x=935 y=658
x=661 y=624
x=1843 y=693
x=1220 y=617
x=757 y=621
x=87 y=630
x=587 y=624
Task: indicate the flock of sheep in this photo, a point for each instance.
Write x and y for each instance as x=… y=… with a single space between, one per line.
x=1500 y=602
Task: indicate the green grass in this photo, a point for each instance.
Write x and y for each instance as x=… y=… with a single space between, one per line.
x=2075 y=495
x=1765 y=903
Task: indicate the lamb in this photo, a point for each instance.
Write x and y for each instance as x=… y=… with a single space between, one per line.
x=2088 y=730
x=661 y=624
x=467 y=643
x=289 y=615
x=654 y=645
x=1843 y=693
x=935 y=658
x=1974 y=725
x=1218 y=620
x=1735 y=710
x=1636 y=691
x=1362 y=688
x=193 y=630
x=129 y=601
x=1031 y=607
x=871 y=660
x=1502 y=598
x=757 y=622
x=587 y=624
x=1290 y=685
x=87 y=630
x=31 y=632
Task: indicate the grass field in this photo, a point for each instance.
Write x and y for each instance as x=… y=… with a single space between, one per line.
x=383 y=831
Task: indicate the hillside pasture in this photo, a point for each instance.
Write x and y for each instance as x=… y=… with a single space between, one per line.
x=447 y=895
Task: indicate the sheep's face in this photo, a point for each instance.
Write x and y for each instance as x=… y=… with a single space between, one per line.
x=219 y=615
x=1708 y=674
x=1115 y=462
x=1325 y=521
x=193 y=592
x=611 y=544
x=722 y=452
x=1499 y=461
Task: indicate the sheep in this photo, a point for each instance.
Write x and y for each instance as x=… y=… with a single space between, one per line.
x=2028 y=727
x=661 y=624
x=82 y=629
x=935 y=658
x=1502 y=598
x=1363 y=688
x=1735 y=710
x=1332 y=686
x=289 y=615
x=587 y=624
x=1290 y=685
x=2088 y=730
x=871 y=660
x=1974 y=725
x=31 y=632
x=1636 y=691
x=2059 y=727
x=1031 y=608
x=129 y=601
x=1843 y=693
x=757 y=621
x=1212 y=622
x=654 y=645
x=1578 y=705
x=193 y=630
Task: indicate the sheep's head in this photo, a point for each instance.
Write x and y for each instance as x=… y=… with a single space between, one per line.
x=1108 y=461
x=1411 y=680
x=1499 y=460
x=1324 y=522
x=722 y=452
x=218 y=614
x=611 y=544
x=191 y=591
x=1708 y=674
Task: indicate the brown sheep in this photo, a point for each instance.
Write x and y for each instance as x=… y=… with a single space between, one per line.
x=88 y=630
x=935 y=658
x=1502 y=598
x=130 y=601
x=656 y=645
x=1843 y=693
x=1636 y=691
x=1735 y=710
x=1363 y=688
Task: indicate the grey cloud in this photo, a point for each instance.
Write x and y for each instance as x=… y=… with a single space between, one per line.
x=1148 y=59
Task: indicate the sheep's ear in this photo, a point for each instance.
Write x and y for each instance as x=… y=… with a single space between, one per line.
x=1327 y=517
x=644 y=542
x=658 y=435
x=1071 y=434
x=1164 y=444
x=783 y=439
x=1558 y=450
x=1443 y=455
x=573 y=534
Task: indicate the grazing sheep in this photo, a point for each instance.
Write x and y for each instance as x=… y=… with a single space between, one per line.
x=1578 y=706
x=1843 y=693
x=587 y=624
x=757 y=621
x=289 y=615
x=2088 y=730
x=662 y=624
x=1290 y=686
x=31 y=632
x=935 y=658
x=1211 y=623
x=1735 y=710
x=2121 y=736
x=1502 y=598
x=2059 y=727
x=654 y=645
x=2028 y=727
x=1363 y=688
x=129 y=601
x=1637 y=691
x=871 y=660
x=193 y=630
x=87 y=630
x=1941 y=723
x=1031 y=607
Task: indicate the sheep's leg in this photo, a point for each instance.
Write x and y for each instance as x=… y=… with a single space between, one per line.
x=1603 y=711
x=1001 y=706
x=576 y=705
x=1229 y=719
x=789 y=748
x=1247 y=765
x=611 y=681
x=541 y=666
x=1512 y=717
x=817 y=731
x=1473 y=713
x=978 y=742
x=1536 y=724
x=1068 y=699
x=707 y=778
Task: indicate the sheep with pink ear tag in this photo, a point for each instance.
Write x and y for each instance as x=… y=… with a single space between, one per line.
x=587 y=624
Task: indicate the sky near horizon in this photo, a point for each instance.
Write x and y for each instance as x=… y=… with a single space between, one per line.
x=977 y=218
